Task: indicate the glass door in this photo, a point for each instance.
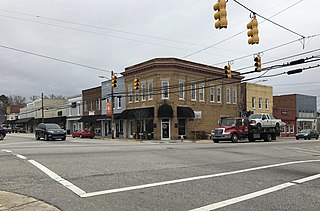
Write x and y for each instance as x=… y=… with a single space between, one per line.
x=165 y=129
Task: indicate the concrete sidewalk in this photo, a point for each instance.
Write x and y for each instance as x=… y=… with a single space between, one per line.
x=12 y=201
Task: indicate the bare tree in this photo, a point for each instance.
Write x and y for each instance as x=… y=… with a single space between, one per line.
x=140 y=115
x=34 y=97
x=16 y=100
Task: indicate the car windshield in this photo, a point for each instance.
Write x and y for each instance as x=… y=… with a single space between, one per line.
x=228 y=122
x=255 y=116
x=53 y=126
x=305 y=131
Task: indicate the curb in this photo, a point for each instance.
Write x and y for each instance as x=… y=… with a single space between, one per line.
x=13 y=201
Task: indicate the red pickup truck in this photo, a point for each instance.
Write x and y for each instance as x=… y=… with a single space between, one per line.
x=234 y=129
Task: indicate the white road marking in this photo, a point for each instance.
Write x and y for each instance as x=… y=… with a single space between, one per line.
x=57 y=178
x=21 y=156
x=254 y=194
x=191 y=179
x=5 y=150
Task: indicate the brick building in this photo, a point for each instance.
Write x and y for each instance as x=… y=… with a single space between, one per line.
x=91 y=104
x=256 y=98
x=178 y=97
x=297 y=111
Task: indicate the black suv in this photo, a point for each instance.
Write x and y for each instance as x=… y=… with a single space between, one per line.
x=2 y=133
x=49 y=131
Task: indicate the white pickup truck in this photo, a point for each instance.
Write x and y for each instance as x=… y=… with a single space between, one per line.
x=260 y=121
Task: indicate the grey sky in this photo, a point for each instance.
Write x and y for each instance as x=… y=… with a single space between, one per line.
x=183 y=26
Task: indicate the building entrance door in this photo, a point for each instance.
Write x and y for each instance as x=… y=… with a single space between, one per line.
x=165 y=129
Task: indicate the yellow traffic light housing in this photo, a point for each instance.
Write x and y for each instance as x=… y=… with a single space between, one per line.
x=257 y=63
x=253 y=32
x=114 y=80
x=136 y=84
x=228 y=70
x=220 y=15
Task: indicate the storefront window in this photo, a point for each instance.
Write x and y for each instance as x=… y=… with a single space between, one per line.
x=182 y=126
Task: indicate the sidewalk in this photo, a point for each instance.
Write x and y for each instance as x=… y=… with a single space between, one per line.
x=12 y=201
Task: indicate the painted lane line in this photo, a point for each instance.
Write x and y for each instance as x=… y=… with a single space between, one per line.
x=307 y=179
x=5 y=150
x=254 y=194
x=243 y=198
x=21 y=156
x=57 y=178
x=191 y=179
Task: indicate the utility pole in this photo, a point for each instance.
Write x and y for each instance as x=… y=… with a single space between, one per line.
x=42 y=108
x=112 y=128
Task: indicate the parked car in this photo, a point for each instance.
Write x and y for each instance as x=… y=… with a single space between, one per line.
x=2 y=133
x=265 y=121
x=19 y=129
x=7 y=128
x=307 y=134
x=83 y=134
x=49 y=131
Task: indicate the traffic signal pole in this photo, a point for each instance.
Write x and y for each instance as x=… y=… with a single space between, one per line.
x=112 y=128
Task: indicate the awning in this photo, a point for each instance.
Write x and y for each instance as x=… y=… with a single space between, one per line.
x=165 y=111
x=11 y=121
x=57 y=120
x=94 y=118
x=24 y=120
x=138 y=113
x=184 y=112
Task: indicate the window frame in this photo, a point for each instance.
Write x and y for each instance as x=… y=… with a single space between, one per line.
x=181 y=92
x=165 y=89
x=201 y=92
x=228 y=95
x=193 y=91
x=212 y=93
x=219 y=94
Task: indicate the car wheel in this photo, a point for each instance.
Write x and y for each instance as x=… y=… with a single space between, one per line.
x=297 y=138
x=1 y=136
x=317 y=137
x=267 y=137
x=277 y=127
x=216 y=141
x=91 y=137
x=234 y=138
x=259 y=126
x=37 y=136
x=63 y=139
x=73 y=136
x=305 y=138
x=309 y=138
x=46 y=138
x=80 y=136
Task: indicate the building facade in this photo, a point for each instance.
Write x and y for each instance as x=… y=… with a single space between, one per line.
x=297 y=111
x=256 y=98
x=74 y=113
x=91 y=103
x=177 y=98
x=119 y=105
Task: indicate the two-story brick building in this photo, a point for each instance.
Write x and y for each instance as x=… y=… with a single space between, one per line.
x=256 y=98
x=297 y=111
x=91 y=104
x=178 y=97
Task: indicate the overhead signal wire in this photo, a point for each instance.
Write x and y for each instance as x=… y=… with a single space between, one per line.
x=268 y=19
x=228 y=38
x=199 y=81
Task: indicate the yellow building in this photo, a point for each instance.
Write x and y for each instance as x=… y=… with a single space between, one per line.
x=256 y=98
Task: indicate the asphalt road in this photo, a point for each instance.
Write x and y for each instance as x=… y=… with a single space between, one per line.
x=84 y=174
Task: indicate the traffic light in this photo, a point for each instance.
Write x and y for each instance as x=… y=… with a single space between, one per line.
x=228 y=70
x=114 y=80
x=221 y=14
x=257 y=63
x=136 y=84
x=253 y=32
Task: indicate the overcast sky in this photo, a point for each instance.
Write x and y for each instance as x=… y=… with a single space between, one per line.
x=112 y=35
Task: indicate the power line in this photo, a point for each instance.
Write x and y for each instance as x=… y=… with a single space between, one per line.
x=53 y=58
x=100 y=27
x=267 y=19
x=210 y=46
